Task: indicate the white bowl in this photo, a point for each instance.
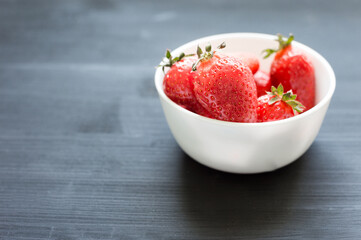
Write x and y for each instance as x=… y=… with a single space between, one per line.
x=248 y=147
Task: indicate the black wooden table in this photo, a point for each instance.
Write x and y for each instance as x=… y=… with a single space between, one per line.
x=85 y=151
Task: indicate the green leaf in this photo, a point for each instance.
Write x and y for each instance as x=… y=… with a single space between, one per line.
x=290 y=39
x=181 y=56
x=268 y=52
x=296 y=105
x=273 y=100
x=299 y=108
x=293 y=104
x=167 y=54
x=208 y=48
x=280 y=90
x=286 y=97
x=293 y=96
x=199 y=51
x=273 y=89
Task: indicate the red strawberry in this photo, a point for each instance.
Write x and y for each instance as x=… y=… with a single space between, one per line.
x=249 y=59
x=199 y=109
x=224 y=86
x=263 y=82
x=178 y=82
x=277 y=105
x=292 y=68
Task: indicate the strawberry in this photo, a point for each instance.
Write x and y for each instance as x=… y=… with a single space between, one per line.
x=249 y=59
x=263 y=82
x=178 y=82
x=224 y=86
x=292 y=68
x=277 y=105
x=199 y=109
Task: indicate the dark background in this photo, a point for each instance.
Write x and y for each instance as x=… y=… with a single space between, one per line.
x=85 y=151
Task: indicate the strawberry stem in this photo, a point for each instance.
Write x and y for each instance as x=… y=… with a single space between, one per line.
x=168 y=60
x=289 y=98
x=282 y=45
x=204 y=56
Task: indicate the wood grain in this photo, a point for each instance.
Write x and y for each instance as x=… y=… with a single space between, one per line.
x=85 y=152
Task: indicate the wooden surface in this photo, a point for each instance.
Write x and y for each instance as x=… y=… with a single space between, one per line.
x=85 y=151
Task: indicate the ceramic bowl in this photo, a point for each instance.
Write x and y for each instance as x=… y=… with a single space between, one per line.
x=248 y=147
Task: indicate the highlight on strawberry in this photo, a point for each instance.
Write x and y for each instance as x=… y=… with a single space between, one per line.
x=250 y=59
x=293 y=70
x=277 y=105
x=263 y=82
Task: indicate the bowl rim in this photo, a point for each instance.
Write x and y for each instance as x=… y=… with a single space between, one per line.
x=324 y=100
